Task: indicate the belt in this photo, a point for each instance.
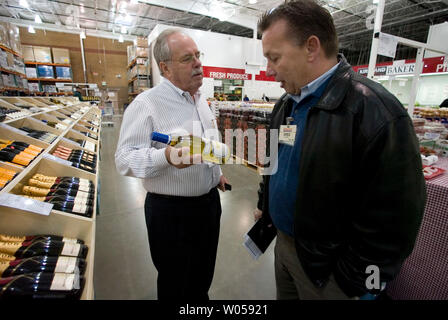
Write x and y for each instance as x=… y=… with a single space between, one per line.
x=182 y=198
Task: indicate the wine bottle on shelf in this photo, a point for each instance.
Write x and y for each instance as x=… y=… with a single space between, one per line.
x=18 y=152
x=21 y=147
x=42 y=264
x=84 y=167
x=62 y=184
x=40 y=237
x=75 y=158
x=41 y=192
x=61 y=199
x=211 y=150
x=42 y=285
x=6 y=155
x=6 y=257
x=44 y=178
x=39 y=134
x=44 y=248
x=23 y=144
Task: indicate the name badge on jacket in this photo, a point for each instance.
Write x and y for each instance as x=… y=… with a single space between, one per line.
x=287 y=134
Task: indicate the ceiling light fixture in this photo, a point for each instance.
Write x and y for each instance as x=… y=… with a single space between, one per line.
x=134 y=1
x=37 y=19
x=120 y=39
x=123 y=29
x=253 y=1
x=31 y=29
x=24 y=3
x=82 y=35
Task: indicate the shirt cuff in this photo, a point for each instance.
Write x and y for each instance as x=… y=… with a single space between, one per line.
x=159 y=158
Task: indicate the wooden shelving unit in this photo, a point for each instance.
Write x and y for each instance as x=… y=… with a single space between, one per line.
x=75 y=115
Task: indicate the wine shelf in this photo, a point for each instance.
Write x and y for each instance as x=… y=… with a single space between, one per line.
x=19 y=222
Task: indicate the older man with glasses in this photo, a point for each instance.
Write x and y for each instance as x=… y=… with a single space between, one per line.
x=182 y=207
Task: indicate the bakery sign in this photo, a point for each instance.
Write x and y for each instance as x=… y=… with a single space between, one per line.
x=392 y=68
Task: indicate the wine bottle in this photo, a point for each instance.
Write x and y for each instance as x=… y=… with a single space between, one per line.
x=43 y=248
x=42 y=264
x=21 y=148
x=40 y=237
x=5 y=155
x=42 y=285
x=60 y=199
x=44 y=178
x=61 y=185
x=6 y=257
x=23 y=144
x=211 y=150
x=34 y=191
x=84 y=167
x=19 y=152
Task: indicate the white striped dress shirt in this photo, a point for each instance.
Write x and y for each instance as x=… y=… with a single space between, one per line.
x=165 y=109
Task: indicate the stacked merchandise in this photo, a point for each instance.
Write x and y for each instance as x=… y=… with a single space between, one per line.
x=138 y=67
x=40 y=134
x=68 y=194
x=251 y=147
x=79 y=158
x=18 y=152
x=41 y=267
x=6 y=176
x=12 y=65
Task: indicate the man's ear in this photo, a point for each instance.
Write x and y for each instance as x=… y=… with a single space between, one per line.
x=313 y=47
x=164 y=70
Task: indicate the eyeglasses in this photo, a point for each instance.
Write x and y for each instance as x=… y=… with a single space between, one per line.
x=190 y=58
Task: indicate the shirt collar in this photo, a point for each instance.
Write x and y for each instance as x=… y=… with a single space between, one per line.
x=311 y=87
x=181 y=92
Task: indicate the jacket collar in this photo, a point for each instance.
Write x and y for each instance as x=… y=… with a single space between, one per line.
x=338 y=86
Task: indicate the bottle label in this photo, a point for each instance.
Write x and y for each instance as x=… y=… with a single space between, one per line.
x=63 y=282
x=82 y=195
x=66 y=265
x=70 y=240
x=70 y=249
x=79 y=208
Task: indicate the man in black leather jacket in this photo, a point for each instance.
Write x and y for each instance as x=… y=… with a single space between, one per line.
x=349 y=193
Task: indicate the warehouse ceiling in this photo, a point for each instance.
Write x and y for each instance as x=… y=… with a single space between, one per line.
x=129 y=18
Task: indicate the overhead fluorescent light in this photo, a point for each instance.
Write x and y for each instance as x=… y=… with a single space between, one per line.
x=82 y=8
x=253 y=1
x=31 y=29
x=24 y=3
x=37 y=19
x=376 y=1
x=123 y=29
x=82 y=35
x=120 y=39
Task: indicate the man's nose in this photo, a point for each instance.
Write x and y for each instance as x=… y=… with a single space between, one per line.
x=270 y=72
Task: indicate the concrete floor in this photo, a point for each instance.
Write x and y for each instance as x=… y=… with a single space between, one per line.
x=123 y=265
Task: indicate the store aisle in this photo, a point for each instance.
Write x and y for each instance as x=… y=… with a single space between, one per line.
x=123 y=266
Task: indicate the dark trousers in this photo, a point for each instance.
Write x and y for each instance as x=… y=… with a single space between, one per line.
x=183 y=237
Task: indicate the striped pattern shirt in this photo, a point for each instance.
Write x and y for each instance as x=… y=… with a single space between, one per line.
x=165 y=109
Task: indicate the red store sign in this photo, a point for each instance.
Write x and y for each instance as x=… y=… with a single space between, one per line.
x=234 y=74
x=430 y=65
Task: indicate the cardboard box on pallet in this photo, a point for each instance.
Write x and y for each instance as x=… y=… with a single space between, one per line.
x=141 y=52
x=4 y=34
x=142 y=42
x=61 y=55
x=14 y=39
x=42 y=54
x=28 y=54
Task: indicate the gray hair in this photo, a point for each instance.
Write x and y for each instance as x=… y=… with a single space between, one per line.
x=162 y=50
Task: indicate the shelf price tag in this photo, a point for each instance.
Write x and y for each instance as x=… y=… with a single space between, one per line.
x=18 y=202
x=56 y=159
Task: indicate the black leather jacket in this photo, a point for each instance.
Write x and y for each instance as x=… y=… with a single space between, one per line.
x=361 y=193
